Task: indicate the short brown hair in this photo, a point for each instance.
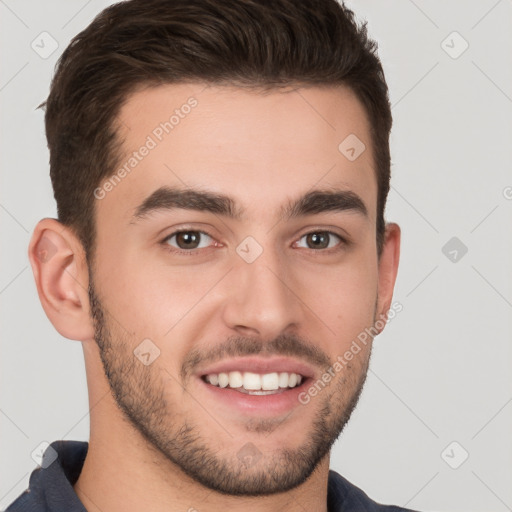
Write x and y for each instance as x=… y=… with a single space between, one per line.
x=256 y=43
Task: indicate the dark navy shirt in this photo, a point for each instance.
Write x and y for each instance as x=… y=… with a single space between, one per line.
x=51 y=486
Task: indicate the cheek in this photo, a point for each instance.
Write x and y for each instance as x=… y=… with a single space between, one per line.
x=155 y=300
x=351 y=285
x=344 y=300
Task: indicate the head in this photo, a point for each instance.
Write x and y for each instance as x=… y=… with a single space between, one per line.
x=221 y=172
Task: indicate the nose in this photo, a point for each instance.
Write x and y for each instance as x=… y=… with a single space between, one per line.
x=260 y=298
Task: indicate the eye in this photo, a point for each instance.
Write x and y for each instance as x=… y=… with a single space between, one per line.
x=321 y=240
x=188 y=240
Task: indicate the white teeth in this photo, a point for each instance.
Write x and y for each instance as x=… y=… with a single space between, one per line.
x=235 y=380
x=270 y=381
x=283 y=380
x=252 y=381
x=255 y=382
x=223 y=380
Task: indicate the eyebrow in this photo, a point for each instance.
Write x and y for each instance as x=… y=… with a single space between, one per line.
x=313 y=202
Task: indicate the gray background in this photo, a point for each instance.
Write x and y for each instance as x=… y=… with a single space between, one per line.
x=440 y=371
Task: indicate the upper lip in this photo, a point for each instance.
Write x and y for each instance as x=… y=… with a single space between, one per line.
x=260 y=365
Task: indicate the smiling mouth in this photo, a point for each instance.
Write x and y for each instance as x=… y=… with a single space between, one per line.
x=255 y=383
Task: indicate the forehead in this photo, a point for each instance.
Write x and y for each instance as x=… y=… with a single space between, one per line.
x=259 y=148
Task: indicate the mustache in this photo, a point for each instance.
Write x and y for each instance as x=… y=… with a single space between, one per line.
x=239 y=346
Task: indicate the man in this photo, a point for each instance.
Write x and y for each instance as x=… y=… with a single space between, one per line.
x=221 y=172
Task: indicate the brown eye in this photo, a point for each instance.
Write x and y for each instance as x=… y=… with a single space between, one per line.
x=321 y=240
x=188 y=240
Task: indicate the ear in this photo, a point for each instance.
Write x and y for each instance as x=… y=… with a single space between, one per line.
x=62 y=278
x=388 y=269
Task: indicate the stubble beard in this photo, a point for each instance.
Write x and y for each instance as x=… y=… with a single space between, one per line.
x=140 y=394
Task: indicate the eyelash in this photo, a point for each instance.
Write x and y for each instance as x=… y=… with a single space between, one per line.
x=197 y=252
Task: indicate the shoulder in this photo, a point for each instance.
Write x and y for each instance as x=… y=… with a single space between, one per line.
x=32 y=499
x=51 y=484
x=345 y=496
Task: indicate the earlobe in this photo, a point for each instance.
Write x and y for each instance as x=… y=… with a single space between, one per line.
x=61 y=276
x=388 y=268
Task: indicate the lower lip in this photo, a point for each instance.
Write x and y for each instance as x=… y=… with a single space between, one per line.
x=267 y=405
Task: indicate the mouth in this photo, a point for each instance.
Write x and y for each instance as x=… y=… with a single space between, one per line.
x=255 y=385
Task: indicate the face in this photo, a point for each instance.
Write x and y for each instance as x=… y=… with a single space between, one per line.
x=236 y=263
